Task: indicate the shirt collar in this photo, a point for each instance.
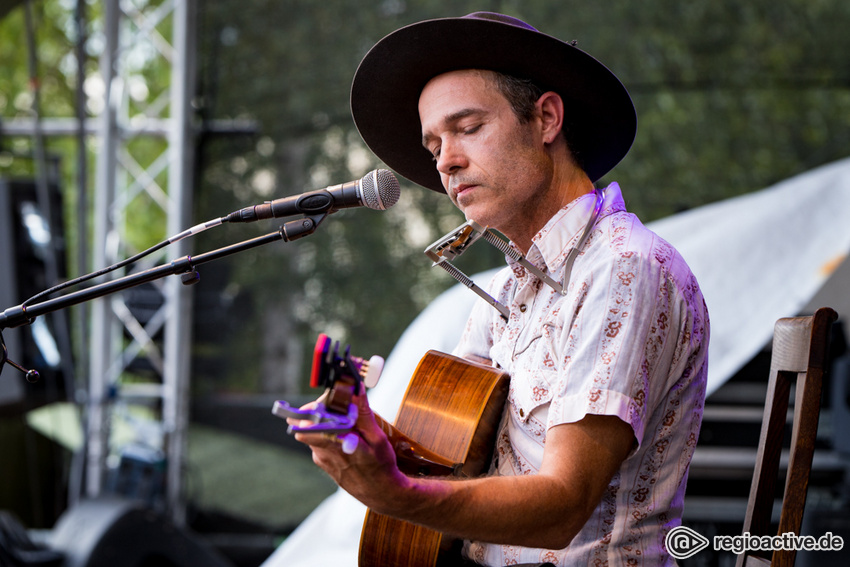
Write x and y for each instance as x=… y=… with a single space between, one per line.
x=565 y=228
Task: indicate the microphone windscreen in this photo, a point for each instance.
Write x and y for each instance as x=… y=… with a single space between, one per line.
x=379 y=189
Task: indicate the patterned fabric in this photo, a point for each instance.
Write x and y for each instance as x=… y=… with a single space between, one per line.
x=629 y=339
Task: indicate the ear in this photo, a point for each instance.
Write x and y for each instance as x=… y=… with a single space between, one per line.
x=550 y=108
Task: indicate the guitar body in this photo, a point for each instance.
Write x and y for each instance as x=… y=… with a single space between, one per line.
x=453 y=408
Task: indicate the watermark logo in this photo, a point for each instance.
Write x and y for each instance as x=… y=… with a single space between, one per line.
x=683 y=542
x=787 y=541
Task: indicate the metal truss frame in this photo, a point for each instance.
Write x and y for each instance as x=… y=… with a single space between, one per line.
x=133 y=30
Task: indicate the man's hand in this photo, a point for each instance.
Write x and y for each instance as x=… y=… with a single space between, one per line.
x=370 y=472
x=543 y=510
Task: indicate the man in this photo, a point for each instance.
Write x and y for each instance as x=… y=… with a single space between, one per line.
x=608 y=378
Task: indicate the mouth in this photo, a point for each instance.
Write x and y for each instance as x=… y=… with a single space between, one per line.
x=460 y=189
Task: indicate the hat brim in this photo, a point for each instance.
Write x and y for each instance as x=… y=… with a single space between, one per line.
x=599 y=114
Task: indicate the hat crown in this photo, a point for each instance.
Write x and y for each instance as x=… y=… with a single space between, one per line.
x=501 y=18
x=601 y=122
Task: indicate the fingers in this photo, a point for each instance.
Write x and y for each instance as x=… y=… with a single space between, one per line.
x=348 y=442
x=317 y=440
x=365 y=426
x=332 y=437
x=306 y=423
x=366 y=422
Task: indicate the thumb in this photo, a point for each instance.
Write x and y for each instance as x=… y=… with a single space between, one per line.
x=364 y=411
x=370 y=425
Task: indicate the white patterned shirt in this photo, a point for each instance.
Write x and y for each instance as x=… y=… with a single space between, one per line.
x=629 y=339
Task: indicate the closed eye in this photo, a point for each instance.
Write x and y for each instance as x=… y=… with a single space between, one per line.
x=435 y=153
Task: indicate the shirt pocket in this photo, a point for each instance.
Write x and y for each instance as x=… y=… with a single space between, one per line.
x=534 y=375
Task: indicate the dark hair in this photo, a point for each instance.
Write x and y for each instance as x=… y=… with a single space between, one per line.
x=522 y=95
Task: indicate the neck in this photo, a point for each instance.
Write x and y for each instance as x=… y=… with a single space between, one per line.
x=575 y=184
x=568 y=184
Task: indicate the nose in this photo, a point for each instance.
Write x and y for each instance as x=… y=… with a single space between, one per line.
x=451 y=158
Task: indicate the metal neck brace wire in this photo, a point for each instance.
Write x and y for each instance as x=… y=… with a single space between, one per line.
x=456 y=242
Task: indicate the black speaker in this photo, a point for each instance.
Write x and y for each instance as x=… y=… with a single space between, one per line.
x=32 y=467
x=112 y=532
x=30 y=240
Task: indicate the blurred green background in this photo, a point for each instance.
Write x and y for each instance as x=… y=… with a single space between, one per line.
x=731 y=97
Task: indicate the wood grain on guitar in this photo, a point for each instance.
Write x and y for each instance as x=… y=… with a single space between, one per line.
x=446 y=426
x=451 y=410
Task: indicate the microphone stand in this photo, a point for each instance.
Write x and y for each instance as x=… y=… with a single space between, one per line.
x=185 y=266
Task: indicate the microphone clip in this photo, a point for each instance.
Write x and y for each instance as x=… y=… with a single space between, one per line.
x=299 y=228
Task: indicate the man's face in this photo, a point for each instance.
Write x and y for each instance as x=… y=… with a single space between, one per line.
x=494 y=168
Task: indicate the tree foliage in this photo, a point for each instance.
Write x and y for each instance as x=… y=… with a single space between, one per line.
x=731 y=97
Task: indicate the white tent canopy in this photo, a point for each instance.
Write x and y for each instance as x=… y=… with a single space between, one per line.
x=763 y=256
x=757 y=257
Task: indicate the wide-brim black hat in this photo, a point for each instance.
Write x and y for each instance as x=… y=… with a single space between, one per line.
x=600 y=119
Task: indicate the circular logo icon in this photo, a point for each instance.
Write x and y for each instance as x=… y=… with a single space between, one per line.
x=683 y=542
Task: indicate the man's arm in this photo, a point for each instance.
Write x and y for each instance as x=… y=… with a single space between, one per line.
x=545 y=510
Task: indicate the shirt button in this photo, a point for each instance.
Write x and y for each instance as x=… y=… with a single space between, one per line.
x=523 y=307
x=521 y=412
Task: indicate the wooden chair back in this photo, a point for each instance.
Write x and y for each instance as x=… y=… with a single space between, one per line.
x=800 y=352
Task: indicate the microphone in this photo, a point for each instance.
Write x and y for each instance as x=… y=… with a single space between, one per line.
x=378 y=189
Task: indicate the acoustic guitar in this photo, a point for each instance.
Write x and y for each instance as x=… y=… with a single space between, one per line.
x=446 y=425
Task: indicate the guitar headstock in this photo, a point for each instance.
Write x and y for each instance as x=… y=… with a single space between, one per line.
x=329 y=365
x=341 y=375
